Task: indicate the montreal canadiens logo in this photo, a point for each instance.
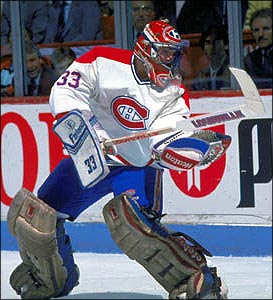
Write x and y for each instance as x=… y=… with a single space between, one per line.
x=129 y=113
x=171 y=34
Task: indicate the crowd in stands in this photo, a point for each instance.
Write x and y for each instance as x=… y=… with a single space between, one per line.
x=196 y=16
x=56 y=21
x=42 y=71
x=73 y=21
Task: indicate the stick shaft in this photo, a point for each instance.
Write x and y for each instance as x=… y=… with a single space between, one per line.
x=138 y=136
x=190 y=124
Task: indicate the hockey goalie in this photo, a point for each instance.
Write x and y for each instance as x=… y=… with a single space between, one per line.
x=109 y=93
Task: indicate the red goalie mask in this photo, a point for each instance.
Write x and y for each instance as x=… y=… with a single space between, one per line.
x=160 y=48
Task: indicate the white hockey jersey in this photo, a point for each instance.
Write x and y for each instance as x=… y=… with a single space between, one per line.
x=104 y=81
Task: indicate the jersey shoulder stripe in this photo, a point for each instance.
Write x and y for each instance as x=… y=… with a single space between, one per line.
x=116 y=54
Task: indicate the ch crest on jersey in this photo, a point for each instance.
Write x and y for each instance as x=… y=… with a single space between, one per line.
x=129 y=113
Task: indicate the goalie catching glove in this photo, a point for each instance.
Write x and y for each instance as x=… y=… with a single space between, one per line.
x=185 y=150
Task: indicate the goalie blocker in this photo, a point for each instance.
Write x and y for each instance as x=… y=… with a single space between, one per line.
x=77 y=131
x=179 y=266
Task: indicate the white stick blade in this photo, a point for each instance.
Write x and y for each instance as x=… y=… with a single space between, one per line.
x=253 y=102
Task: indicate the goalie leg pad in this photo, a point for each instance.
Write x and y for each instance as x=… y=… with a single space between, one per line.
x=48 y=268
x=166 y=256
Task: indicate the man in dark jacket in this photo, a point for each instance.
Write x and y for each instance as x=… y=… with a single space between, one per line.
x=40 y=74
x=35 y=17
x=73 y=21
x=258 y=63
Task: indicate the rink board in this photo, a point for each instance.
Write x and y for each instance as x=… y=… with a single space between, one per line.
x=220 y=240
x=226 y=206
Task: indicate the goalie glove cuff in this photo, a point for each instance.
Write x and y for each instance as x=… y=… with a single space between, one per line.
x=103 y=136
x=217 y=147
x=180 y=151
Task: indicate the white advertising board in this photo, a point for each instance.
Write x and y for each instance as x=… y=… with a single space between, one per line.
x=235 y=189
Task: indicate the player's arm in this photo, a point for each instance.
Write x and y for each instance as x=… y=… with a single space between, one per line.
x=184 y=150
x=76 y=124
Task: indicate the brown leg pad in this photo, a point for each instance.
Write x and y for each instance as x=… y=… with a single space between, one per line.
x=168 y=258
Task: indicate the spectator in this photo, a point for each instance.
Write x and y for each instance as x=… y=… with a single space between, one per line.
x=72 y=21
x=142 y=13
x=40 y=75
x=61 y=58
x=7 y=75
x=7 y=69
x=258 y=63
x=35 y=19
x=196 y=16
x=253 y=6
x=185 y=66
x=107 y=19
x=106 y=7
x=165 y=10
x=214 y=43
x=39 y=72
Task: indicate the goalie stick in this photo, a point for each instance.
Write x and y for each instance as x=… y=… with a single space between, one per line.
x=251 y=107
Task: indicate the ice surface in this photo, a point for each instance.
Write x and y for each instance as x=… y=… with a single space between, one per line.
x=115 y=276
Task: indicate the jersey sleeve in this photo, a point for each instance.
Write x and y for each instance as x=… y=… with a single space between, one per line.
x=172 y=114
x=75 y=87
